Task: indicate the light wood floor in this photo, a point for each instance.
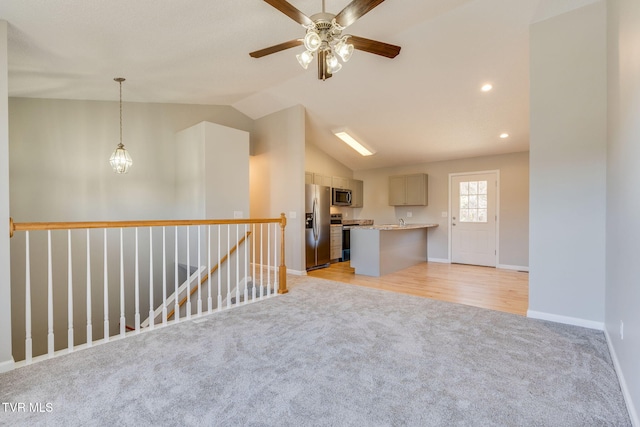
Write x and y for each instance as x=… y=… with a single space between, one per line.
x=484 y=287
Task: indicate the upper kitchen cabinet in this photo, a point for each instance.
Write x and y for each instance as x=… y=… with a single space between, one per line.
x=339 y=182
x=408 y=190
x=308 y=177
x=320 y=179
x=357 y=192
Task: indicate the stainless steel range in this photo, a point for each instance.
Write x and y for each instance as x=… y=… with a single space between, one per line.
x=347 y=225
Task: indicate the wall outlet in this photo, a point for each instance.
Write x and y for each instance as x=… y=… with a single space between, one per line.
x=237 y=214
x=621 y=330
x=445 y=214
x=293 y=215
x=409 y=214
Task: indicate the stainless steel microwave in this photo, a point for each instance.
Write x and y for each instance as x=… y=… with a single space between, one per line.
x=340 y=197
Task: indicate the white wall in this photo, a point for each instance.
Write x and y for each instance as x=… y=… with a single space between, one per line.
x=277 y=176
x=568 y=167
x=514 y=193
x=212 y=171
x=6 y=359
x=623 y=197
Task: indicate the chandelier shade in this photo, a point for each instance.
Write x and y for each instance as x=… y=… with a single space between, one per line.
x=324 y=37
x=120 y=159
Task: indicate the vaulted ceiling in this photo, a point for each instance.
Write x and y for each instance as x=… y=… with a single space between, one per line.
x=424 y=105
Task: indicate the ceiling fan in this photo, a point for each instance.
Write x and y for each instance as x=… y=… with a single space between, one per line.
x=324 y=37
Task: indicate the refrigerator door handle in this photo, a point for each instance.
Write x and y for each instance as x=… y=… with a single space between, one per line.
x=315 y=218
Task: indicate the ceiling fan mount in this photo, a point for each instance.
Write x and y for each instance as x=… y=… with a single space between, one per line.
x=324 y=37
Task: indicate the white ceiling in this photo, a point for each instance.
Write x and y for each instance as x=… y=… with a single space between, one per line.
x=424 y=105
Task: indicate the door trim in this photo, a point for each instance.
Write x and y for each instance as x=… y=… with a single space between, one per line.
x=450 y=228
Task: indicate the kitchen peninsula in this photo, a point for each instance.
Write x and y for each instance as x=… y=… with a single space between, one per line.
x=377 y=250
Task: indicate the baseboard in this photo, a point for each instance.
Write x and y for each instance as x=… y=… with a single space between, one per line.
x=513 y=267
x=566 y=320
x=296 y=272
x=633 y=414
x=439 y=260
x=7 y=365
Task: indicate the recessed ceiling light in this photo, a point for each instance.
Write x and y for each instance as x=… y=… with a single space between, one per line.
x=487 y=87
x=504 y=135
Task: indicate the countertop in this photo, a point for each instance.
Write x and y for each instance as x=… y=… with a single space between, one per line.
x=393 y=227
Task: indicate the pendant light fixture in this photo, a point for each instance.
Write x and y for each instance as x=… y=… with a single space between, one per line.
x=120 y=160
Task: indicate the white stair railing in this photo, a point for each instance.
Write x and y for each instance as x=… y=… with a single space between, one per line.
x=50 y=260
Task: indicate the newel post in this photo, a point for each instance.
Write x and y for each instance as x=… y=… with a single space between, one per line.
x=282 y=270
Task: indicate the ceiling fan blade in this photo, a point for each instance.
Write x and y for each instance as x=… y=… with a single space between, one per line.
x=373 y=46
x=289 y=10
x=277 y=48
x=355 y=10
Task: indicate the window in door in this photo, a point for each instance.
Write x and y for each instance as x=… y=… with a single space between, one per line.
x=473 y=201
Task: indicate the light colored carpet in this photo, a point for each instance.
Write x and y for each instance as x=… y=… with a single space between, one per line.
x=332 y=354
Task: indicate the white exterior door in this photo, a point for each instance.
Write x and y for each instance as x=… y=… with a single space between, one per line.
x=473 y=218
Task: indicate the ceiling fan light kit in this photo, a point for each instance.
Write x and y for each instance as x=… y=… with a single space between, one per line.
x=324 y=40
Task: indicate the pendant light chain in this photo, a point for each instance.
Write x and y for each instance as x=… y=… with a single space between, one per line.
x=121 y=114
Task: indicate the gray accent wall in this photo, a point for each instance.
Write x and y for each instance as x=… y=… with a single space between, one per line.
x=568 y=167
x=623 y=197
x=59 y=168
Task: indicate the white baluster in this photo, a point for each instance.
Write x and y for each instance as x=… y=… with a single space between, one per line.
x=188 y=275
x=246 y=260
x=123 y=324
x=199 y=285
x=151 y=310
x=50 y=338
x=219 y=273
x=268 y=260
x=209 y=297
x=261 y=262
x=89 y=325
x=164 y=276
x=137 y=286
x=228 y=266
x=106 y=290
x=237 y=266
x=28 y=342
x=176 y=305
x=253 y=258
x=69 y=295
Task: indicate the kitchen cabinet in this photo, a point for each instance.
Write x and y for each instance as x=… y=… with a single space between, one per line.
x=408 y=190
x=336 y=241
x=308 y=177
x=320 y=179
x=357 y=193
x=339 y=182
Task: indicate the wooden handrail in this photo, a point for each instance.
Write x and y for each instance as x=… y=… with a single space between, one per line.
x=43 y=226
x=30 y=226
x=206 y=276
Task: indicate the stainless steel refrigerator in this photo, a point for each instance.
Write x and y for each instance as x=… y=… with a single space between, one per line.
x=317 y=225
